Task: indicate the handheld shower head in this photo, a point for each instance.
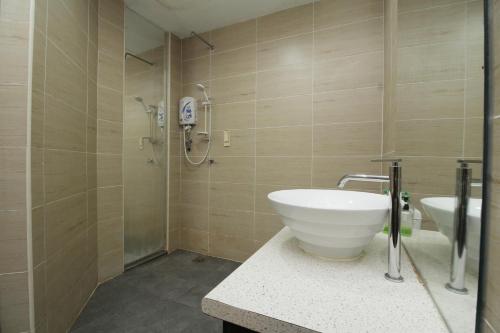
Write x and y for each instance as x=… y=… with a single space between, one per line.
x=204 y=90
x=139 y=99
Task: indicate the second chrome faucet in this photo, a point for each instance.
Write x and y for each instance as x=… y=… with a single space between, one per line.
x=394 y=179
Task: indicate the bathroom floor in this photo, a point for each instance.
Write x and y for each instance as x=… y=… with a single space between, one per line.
x=163 y=295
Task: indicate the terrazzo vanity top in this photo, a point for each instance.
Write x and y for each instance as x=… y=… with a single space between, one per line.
x=283 y=289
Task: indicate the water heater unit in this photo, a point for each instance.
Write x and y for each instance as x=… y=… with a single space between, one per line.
x=187 y=111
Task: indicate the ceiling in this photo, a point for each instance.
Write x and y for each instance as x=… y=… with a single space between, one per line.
x=183 y=16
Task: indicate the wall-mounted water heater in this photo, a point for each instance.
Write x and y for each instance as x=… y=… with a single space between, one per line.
x=187 y=111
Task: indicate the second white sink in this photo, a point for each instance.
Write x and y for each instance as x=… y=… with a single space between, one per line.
x=331 y=223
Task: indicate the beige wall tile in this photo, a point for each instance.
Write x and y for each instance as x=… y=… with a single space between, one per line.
x=287 y=111
x=64 y=128
x=194 y=173
x=110 y=265
x=293 y=171
x=348 y=40
x=39 y=298
x=430 y=100
x=242 y=143
x=39 y=44
x=109 y=202
x=192 y=47
x=330 y=13
x=195 y=70
x=109 y=137
x=14 y=55
x=232 y=248
x=429 y=175
x=432 y=25
x=473 y=137
x=91 y=134
x=110 y=72
x=110 y=235
x=327 y=171
x=109 y=104
x=37 y=189
x=234 y=89
x=92 y=62
x=291 y=81
x=64 y=220
x=13 y=178
x=232 y=196
x=266 y=226
x=444 y=61
x=233 y=116
x=194 y=240
x=352 y=105
x=194 y=193
x=111 y=11
x=65 y=174
x=410 y=5
x=284 y=141
x=288 y=22
x=13 y=106
x=14 y=308
x=474 y=99
x=37 y=118
x=109 y=170
x=365 y=70
x=235 y=36
x=194 y=217
x=348 y=139
x=235 y=62
x=65 y=32
x=231 y=223
x=111 y=39
x=233 y=170
x=286 y=52
x=65 y=81
x=419 y=137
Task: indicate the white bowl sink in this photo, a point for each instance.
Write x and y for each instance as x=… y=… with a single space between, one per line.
x=442 y=210
x=330 y=223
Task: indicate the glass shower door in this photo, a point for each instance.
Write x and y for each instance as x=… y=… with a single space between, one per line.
x=144 y=144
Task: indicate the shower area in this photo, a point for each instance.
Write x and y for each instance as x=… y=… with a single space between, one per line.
x=144 y=140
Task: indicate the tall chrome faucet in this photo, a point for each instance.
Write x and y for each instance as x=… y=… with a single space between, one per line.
x=394 y=179
x=464 y=182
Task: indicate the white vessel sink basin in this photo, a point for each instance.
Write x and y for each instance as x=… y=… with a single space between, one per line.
x=330 y=223
x=442 y=210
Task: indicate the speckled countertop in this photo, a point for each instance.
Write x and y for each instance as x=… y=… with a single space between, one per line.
x=282 y=289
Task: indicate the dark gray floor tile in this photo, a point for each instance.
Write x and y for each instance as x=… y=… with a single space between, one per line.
x=163 y=295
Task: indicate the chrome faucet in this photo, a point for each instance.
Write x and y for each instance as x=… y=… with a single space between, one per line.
x=394 y=255
x=464 y=182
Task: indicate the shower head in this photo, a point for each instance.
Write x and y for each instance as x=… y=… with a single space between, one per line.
x=141 y=100
x=204 y=90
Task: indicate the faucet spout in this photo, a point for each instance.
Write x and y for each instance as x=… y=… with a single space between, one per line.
x=361 y=178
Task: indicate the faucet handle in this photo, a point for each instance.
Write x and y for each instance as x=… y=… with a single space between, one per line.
x=395 y=161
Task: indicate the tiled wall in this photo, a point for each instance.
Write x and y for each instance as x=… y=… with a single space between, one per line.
x=438 y=98
x=492 y=292
x=109 y=180
x=143 y=170
x=64 y=161
x=174 y=83
x=15 y=25
x=301 y=93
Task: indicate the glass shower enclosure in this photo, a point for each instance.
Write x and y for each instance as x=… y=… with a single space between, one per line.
x=144 y=143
